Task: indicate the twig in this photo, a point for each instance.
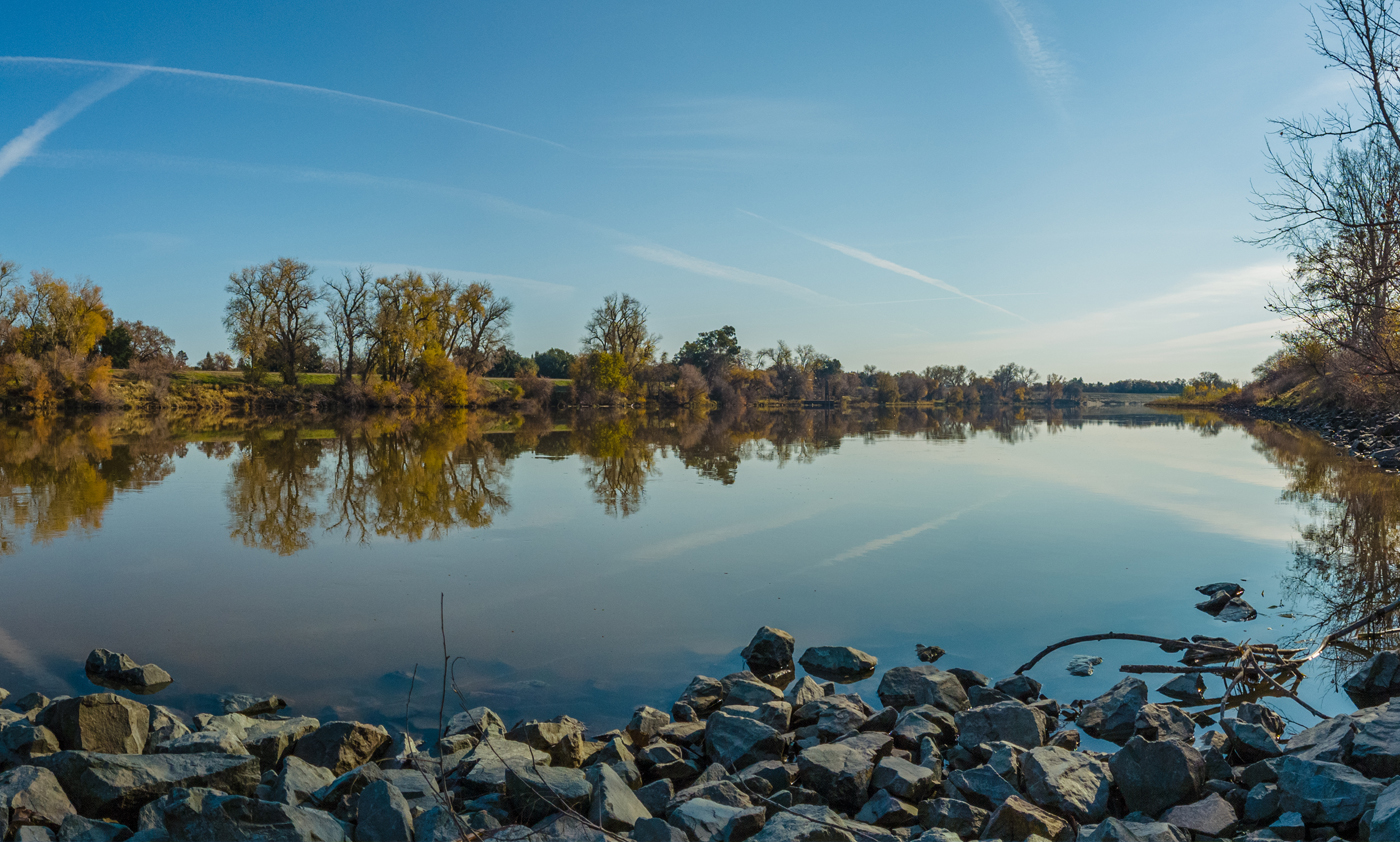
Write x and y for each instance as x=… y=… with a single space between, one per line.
x=1294 y=696
x=1348 y=629
x=1167 y=644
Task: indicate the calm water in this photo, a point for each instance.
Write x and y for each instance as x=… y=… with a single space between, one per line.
x=590 y=564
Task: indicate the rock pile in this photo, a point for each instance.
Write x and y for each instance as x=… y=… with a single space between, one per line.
x=948 y=755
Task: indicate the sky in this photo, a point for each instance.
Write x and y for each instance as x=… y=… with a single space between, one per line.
x=900 y=184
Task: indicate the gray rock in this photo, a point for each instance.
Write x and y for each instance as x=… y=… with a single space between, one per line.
x=298 y=780
x=1329 y=741
x=884 y=810
x=982 y=786
x=112 y=669
x=970 y=678
x=1377 y=681
x=1211 y=816
x=1113 y=716
x=743 y=825
x=838 y=663
x=904 y=780
x=1250 y=741
x=37 y=794
x=835 y=715
x=476 y=722
x=1010 y=722
x=703 y=694
x=102 y=722
x=234 y=723
x=532 y=793
x=164 y=725
x=941 y=690
x=270 y=741
x=437 y=824
x=341 y=746
x=646 y=723
x=656 y=830
x=702 y=820
x=1018 y=818
x=1261 y=805
x=770 y=651
x=382 y=814
x=1185 y=688
x=31 y=701
x=208 y=816
x=1113 y=830
x=746 y=692
x=340 y=795
x=806 y=823
x=803 y=691
x=737 y=741
x=1069 y=783
x=1260 y=715
x=1324 y=793
x=612 y=803
x=841 y=772
x=899 y=685
x=1164 y=722
x=34 y=833
x=1065 y=738
x=720 y=791
x=954 y=815
x=1375 y=746
x=656 y=795
x=1083 y=665
x=565 y=828
x=114 y=786
x=1385 y=821
x=75 y=828
x=25 y=740
x=251 y=705
x=1153 y=776
x=1290 y=826
x=562 y=738
x=203 y=742
x=1022 y=688
x=923 y=722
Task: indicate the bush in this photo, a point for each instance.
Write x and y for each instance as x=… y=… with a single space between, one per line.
x=443 y=381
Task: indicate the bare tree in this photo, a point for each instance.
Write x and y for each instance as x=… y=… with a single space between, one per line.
x=347 y=302
x=273 y=306
x=479 y=333
x=619 y=327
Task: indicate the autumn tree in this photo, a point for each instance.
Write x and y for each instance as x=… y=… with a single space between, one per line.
x=273 y=306
x=619 y=327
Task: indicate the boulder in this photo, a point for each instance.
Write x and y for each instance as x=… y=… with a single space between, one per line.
x=1083 y=665
x=805 y=823
x=738 y=741
x=981 y=785
x=476 y=722
x=747 y=692
x=612 y=803
x=203 y=742
x=1185 y=688
x=1113 y=830
x=341 y=794
x=703 y=820
x=1010 y=722
x=943 y=691
x=102 y=722
x=769 y=652
x=954 y=815
x=884 y=810
x=1375 y=746
x=562 y=739
x=1113 y=716
x=838 y=663
x=75 y=828
x=1323 y=793
x=1153 y=776
x=841 y=772
x=1069 y=783
x=703 y=694
x=164 y=725
x=656 y=830
x=656 y=795
x=904 y=780
x=112 y=786
x=835 y=715
x=1250 y=741
x=382 y=814
x=718 y=790
x=1022 y=688
x=206 y=814
x=646 y=722
x=557 y=828
x=270 y=741
x=251 y=705
x=31 y=702
x=1261 y=805
x=1164 y=722
x=923 y=722
x=1211 y=816
x=1385 y=821
x=298 y=780
x=341 y=746
x=899 y=686
x=531 y=793
x=804 y=690
x=118 y=671
x=437 y=824
x=33 y=795
x=1377 y=681
x=25 y=740
x=1017 y=818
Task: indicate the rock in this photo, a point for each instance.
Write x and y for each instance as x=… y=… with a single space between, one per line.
x=1113 y=830
x=203 y=742
x=804 y=691
x=1290 y=826
x=1185 y=688
x=841 y=772
x=718 y=790
x=1377 y=681
x=941 y=690
x=112 y=669
x=743 y=825
x=884 y=810
x=32 y=795
x=1230 y=589
x=1329 y=741
x=806 y=823
x=1153 y=776
x=1022 y=688
x=1164 y=722
x=1250 y=741
x=904 y=780
x=530 y=791
x=1260 y=715
x=981 y=785
x=251 y=705
x=562 y=739
x=746 y=692
x=1083 y=665
x=656 y=830
x=702 y=819
x=341 y=746
x=25 y=740
x=970 y=678
x=612 y=804
x=1261 y=804
x=1069 y=783
x=1113 y=716
x=1324 y=793
x=112 y=786
x=34 y=833
x=646 y=723
x=957 y=816
x=1385 y=821
x=838 y=663
x=270 y=741
x=1010 y=722
x=899 y=685
x=1227 y=608
x=75 y=828
x=1065 y=738
x=737 y=741
x=929 y=654
x=656 y=795
x=235 y=723
x=1375 y=746
x=298 y=780
x=382 y=814
x=103 y=722
x=1211 y=816
x=703 y=694
x=770 y=651
x=476 y=722
x=923 y=722
x=205 y=814
x=163 y=726
x=436 y=824
x=563 y=828
x=1019 y=819
x=31 y=701
x=835 y=715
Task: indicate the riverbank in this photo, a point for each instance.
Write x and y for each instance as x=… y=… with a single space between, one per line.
x=941 y=756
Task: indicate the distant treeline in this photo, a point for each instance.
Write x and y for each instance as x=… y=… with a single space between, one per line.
x=410 y=339
x=1139 y=387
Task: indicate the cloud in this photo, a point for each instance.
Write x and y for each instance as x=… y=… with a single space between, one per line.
x=880 y=262
x=28 y=142
x=700 y=266
x=250 y=80
x=1050 y=73
x=1252 y=331
x=21 y=658
x=709 y=537
x=889 y=540
x=726 y=132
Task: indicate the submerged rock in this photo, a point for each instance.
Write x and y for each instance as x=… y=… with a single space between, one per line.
x=1377 y=681
x=838 y=663
x=1185 y=688
x=928 y=654
x=1229 y=588
x=1083 y=665
x=769 y=652
x=113 y=669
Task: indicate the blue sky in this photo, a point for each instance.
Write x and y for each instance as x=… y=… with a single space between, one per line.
x=901 y=184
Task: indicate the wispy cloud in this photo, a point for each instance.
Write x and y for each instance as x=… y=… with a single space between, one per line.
x=700 y=266
x=28 y=142
x=250 y=80
x=1046 y=68
x=889 y=540
x=726 y=132
x=1248 y=332
x=882 y=263
x=708 y=537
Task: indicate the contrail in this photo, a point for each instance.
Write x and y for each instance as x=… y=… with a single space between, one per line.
x=1039 y=60
x=250 y=80
x=867 y=257
x=700 y=266
x=29 y=140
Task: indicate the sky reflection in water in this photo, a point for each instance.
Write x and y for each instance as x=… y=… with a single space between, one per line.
x=591 y=564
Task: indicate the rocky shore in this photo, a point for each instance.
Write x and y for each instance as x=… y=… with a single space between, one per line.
x=759 y=755
x=1373 y=436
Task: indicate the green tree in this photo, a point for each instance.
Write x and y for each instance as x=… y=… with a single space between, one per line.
x=712 y=352
x=554 y=363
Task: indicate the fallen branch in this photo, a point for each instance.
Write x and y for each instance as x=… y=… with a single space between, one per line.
x=1168 y=645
